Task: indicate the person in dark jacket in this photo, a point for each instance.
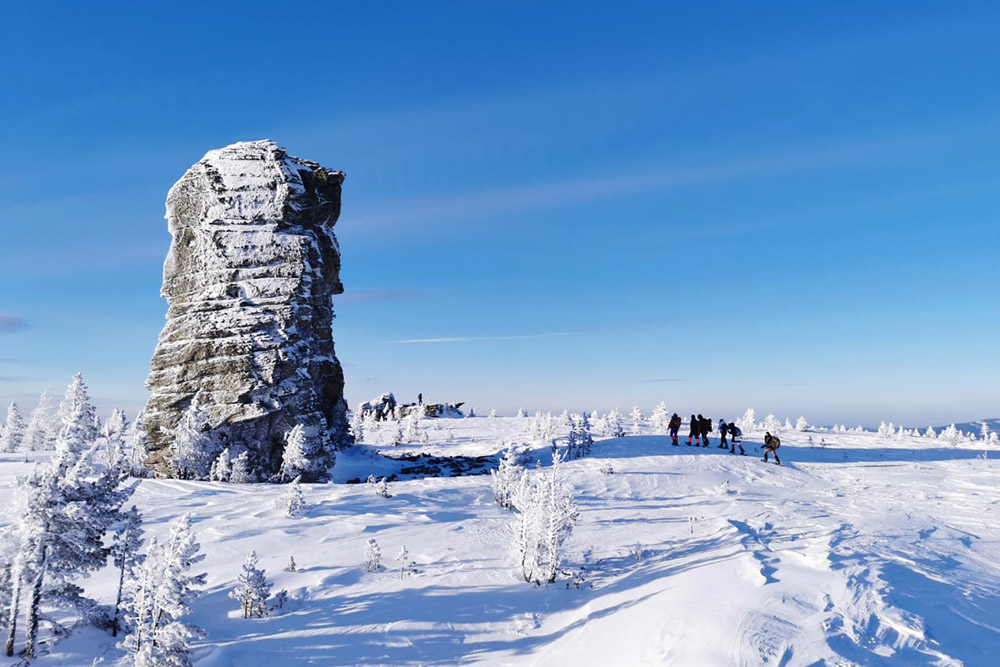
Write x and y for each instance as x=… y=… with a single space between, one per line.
x=734 y=438
x=723 y=430
x=694 y=431
x=771 y=444
x=675 y=425
x=704 y=427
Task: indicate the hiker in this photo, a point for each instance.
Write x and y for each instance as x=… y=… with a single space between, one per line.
x=693 y=431
x=723 y=430
x=420 y=399
x=675 y=425
x=771 y=444
x=704 y=427
x=735 y=434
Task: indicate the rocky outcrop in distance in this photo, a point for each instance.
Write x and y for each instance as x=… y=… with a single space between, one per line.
x=249 y=281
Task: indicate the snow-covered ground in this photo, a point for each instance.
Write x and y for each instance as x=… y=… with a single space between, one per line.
x=863 y=551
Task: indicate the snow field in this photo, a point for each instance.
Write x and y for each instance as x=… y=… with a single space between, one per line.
x=863 y=552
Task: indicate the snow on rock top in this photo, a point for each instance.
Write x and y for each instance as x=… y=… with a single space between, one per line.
x=249 y=281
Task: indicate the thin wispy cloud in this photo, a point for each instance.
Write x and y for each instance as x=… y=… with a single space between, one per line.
x=581 y=190
x=667 y=380
x=477 y=339
x=10 y=323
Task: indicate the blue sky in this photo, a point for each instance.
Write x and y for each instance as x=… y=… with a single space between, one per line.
x=790 y=206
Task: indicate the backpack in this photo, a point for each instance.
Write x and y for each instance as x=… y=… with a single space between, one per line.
x=708 y=424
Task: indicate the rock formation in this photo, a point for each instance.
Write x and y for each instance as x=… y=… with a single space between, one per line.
x=249 y=281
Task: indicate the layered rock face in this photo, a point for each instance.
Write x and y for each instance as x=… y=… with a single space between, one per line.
x=249 y=281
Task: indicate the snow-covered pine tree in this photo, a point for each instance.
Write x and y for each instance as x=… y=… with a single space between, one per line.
x=636 y=420
x=62 y=514
x=660 y=419
x=404 y=562
x=358 y=428
x=76 y=418
x=115 y=431
x=930 y=432
x=13 y=432
x=545 y=514
x=294 y=460
x=136 y=458
x=125 y=555
x=252 y=588
x=520 y=413
x=291 y=567
x=40 y=434
x=493 y=414
x=580 y=441
x=240 y=472
x=801 y=424
x=382 y=488
x=506 y=477
x=771 y=425
x=613 y=425
x=291 y=501
x=373 y=556
x=221 y=467
x=163 y=594
x=748 y=422
x=195 y=447
x=951 y=434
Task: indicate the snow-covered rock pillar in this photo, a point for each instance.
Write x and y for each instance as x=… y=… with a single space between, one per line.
x=249 y=281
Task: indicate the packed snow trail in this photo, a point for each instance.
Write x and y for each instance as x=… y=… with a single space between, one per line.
x=862 y=552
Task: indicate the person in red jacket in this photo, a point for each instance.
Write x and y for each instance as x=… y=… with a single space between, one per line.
x=675 y=425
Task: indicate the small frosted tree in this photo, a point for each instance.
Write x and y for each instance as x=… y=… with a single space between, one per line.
x=951 y=434
x=771 y=424
x=294 y=460
x=801 y=424
x=930 y=432
x=252 y=589
x=13 y=432
x=660 y=419
x=195 y=447
x=76 y=418
x=404 y=563
x=613 y=426
x=162 y=598
x=636 y=420
x=137 y=453
x=373 y=556
x=580 y=441
x=506 y=477
x=40 y=434
x=221 y=467
x=240 y=472
x=292 y=501
x=748 y=422
x=545 y=514
x=125 y=554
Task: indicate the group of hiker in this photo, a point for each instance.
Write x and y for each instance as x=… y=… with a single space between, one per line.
x=700 y=428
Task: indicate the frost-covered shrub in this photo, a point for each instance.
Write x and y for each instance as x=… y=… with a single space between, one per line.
x=801 y=424
x=660 y=419
x=13 y=431
x=930 y=432
x=637 y=419
x=579 y=442
x=195 y=446
x=545 y=513
x=221 y=468
x=404 y=563
x=771 y=425
x=507 y=477
x=373 y=556
x=747 y=423
x=951 y=434
x=240 y=472
x=291 y=501
x=252 y=589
